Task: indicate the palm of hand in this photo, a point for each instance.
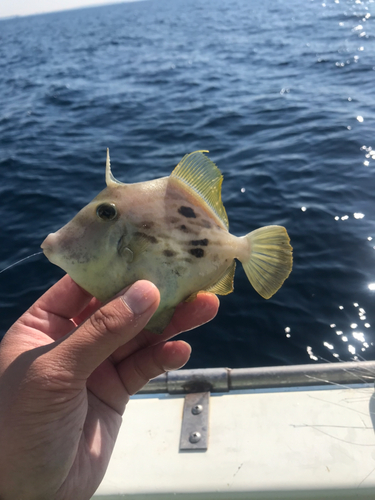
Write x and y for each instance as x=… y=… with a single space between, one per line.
x=64 y=388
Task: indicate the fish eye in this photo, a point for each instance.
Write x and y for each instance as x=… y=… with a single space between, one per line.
x=106 y=211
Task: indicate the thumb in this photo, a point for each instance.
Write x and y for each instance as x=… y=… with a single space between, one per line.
x=113 y=325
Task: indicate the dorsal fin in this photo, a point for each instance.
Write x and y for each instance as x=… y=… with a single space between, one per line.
x=203 y=177
x=225 y=284
x=109 y=178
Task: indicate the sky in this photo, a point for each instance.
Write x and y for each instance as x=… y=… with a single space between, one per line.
x=10 y=8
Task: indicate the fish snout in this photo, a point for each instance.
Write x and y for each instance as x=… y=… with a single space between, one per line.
x=49 y=245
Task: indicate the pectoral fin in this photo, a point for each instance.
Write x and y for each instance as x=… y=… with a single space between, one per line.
x=140 y=242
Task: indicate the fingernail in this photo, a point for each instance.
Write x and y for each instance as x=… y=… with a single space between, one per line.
x=140 y=297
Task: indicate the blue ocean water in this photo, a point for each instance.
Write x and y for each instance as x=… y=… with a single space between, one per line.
x=280 y=93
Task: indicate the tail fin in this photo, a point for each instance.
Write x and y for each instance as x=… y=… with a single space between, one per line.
x=269 y=261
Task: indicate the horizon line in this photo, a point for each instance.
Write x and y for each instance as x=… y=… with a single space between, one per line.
x=41 y=13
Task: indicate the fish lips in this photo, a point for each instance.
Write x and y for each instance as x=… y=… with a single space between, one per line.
x=47 y=245
x=51 y=248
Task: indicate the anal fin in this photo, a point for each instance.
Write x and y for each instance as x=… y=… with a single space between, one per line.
x=224 y=285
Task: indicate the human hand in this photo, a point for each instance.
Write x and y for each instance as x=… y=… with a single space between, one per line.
x=64 y=384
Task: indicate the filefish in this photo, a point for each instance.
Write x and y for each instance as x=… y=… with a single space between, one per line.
x=172 y=231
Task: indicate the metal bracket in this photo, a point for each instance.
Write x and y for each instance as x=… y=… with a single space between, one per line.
x=194 y=426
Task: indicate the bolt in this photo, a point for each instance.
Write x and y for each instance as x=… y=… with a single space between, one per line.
x=195 y=437
x=197 y=409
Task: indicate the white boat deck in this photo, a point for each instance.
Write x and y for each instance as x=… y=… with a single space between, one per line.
x=279 y=443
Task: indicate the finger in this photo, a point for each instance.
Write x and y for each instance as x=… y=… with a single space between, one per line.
x=106 y=385
x=92 y=306
x=188 y=315
x=65 y=299
x=52 y=313
x=81 y=352
x=148 y=363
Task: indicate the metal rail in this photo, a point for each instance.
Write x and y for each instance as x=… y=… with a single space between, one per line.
x=227 y=379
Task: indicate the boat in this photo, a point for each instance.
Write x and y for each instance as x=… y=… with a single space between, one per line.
x=288 y=432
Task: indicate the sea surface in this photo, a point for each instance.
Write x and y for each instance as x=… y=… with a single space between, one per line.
x=282 y=94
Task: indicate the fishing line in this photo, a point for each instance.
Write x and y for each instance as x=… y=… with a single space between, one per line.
x=19 y=261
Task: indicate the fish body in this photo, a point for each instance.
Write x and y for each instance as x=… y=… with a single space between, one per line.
x=172 y=231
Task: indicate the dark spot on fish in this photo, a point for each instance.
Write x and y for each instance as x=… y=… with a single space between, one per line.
x=147 y=224
x=206 y=224
x=189 y=261
x=169 y=253
x=184 y=228
x=188 y=230
x=199 y=243
x=176 y=272
x=197 y=252
x=173 y=220
x=187 y=212
x=147 y=237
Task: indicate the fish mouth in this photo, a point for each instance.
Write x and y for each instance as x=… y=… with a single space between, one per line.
x=44 y=246
x=47 y=245
x=46 y=250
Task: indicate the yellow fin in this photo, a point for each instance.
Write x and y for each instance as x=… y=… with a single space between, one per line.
x=203 y=177
x=225 y=283
x=191 y=297
x=269 y=259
